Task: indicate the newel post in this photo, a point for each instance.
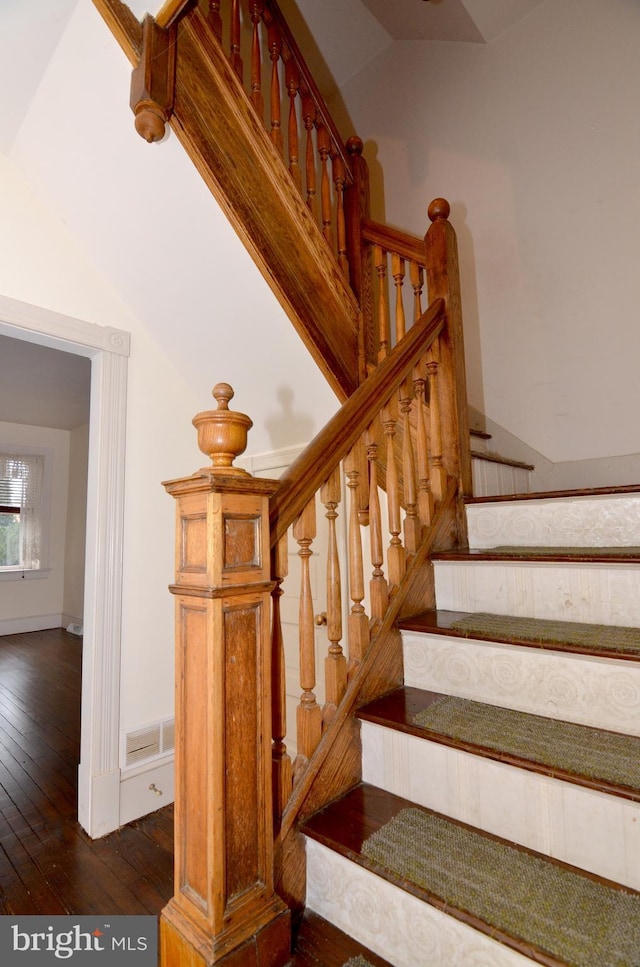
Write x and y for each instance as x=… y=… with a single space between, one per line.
x=224 y=909
x=443 y=281
x=357 y=207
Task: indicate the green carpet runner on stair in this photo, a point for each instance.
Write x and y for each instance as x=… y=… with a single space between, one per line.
x=590 y=637
x=581 y=922
x=591 y=753
x=358 y=961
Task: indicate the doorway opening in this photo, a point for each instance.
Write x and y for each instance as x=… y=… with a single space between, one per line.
x=107 y=351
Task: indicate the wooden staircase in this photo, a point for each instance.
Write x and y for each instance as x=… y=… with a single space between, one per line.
x=380 y=493
x=557 y=812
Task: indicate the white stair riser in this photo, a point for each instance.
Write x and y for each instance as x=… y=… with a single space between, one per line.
x=581 y=826
x=599 y=521
x=393 y=923
x=491 y=479
x=602 y=693
x=593 y=593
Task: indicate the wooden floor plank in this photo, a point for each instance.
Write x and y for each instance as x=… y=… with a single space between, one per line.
x=48 y=865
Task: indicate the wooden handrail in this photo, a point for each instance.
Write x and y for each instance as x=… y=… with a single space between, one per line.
x=306 y=474
x=393 y=240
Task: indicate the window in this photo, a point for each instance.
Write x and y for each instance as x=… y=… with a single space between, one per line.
x=21 y=524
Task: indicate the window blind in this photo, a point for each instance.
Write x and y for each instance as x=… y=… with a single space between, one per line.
x=21 y=482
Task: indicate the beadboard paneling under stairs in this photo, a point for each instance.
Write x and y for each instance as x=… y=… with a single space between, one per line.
x=568 y=558
x=494 y=474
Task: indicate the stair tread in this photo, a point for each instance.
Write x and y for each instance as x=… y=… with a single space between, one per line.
x=595 y=758
x=555 y=554
x=505 y=461
x=347 y=824
x=557 y=494
x=572 y=636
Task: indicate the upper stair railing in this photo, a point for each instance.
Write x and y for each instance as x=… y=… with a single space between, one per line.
x=267 y=61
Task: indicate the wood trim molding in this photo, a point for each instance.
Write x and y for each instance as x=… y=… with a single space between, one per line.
x=108 y=349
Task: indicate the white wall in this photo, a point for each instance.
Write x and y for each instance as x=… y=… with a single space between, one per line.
x=534 y=138
x=97 y=224
x=34 y=603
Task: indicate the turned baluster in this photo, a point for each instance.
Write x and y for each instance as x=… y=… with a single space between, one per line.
x=378 y=587
x=341 y=229
x=257 y=9
x=324 y=147
x=380 y=263
x=214 y=19
x=396 y=562
x=412 y=526
x=275 y=50
x=235 y=56
x=335 y=665
x=358 y=619
x=438 y=474
x=309 y=118
x=397 y=271
x=292 y=78
x=309 y=714
x=425 y=496
x=281 y=761
x=416 y=274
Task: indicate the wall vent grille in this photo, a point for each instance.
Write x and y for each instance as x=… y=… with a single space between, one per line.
x=149 y=742
x=168 y=735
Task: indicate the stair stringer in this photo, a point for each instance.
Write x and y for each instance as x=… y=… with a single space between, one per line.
x=215 y=122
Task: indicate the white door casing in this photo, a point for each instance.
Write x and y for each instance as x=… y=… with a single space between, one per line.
x=108 y=350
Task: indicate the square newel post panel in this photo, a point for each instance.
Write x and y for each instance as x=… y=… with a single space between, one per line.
x=224 y=909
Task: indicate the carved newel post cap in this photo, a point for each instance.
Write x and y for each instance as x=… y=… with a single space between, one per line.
x=439 y=208
x=222 y=433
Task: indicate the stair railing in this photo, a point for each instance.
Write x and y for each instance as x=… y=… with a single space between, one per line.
x=377 y=442
x=267 y=61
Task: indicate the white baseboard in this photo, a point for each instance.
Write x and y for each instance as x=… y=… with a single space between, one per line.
x=98 y=802
x=146 y=788
x=38 y=622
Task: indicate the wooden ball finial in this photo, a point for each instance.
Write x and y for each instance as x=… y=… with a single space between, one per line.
x=150 y=121
x=439 y=208
x=222 y=394
x=355 y=145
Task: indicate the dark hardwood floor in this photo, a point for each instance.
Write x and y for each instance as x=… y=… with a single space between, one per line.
x=48 y=865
